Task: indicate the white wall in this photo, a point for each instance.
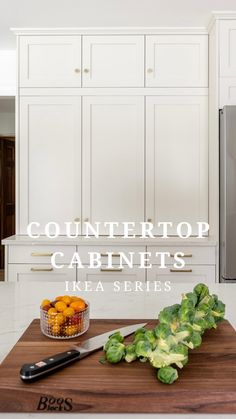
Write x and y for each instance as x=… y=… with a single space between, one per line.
x=33 y=13
x=7 y=116
x=7 y=72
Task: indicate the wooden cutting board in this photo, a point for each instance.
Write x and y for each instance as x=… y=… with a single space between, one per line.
x=207 y=384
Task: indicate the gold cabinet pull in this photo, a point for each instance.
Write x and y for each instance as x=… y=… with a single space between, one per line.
x=77 y=70
x=41 y=254
x=86 y=220
x=111 y=269
x=116 y=255
x=181 y=270
x=185 y=255
x=150 y=70
x=77 y=219
x=41 y=269
x=149 y=220
x=86 y=70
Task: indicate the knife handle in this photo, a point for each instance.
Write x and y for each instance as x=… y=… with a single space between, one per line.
x=47 y=366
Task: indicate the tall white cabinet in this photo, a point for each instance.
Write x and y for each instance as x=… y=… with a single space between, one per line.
x=112 y=126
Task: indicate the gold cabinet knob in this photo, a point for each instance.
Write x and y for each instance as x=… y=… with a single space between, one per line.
x=149 y=220
x=77 y=219
x=150 y=70
x=86 y=220
x=86 y=70
x=77 y=70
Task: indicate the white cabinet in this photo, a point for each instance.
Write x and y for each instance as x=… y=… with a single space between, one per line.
x=40 y=273
x=189 y=274
x=115 y=275
x=177 y=61
x=227 y=62
x=113 y=61
x=49 y=160
x=227 y=56
x=177 y=159
x=113 y=159
x=50 y=61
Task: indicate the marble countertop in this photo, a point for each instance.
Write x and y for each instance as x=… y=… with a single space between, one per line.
x=19 y=305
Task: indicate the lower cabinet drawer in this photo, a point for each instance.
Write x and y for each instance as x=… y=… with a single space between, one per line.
x=190 y=273
x=39 y=254
x=41 y=273
x=116 y=250
x=111 y=275
x=194 y=255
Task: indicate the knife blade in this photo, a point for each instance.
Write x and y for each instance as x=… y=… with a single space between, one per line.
x=37 y=370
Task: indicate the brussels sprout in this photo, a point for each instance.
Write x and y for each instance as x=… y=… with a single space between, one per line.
x=218 y=311
x=186 y=315
x=167 y=375
x=143 y=348
x=162 y=331
x=151 y=338
x=140 y=330
x=191 y=297
x=181 y=351
x=116 y=337
x=115 y=352
x=195 y=340
x=130 y=354
x=160 y=358
x=169 y=314
x=199 y=325
x=201 y=290
x=210 y=321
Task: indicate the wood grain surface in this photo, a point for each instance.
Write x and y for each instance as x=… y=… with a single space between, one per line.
x=207 y=384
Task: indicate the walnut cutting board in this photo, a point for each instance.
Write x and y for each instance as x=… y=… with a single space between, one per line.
x=206 y=385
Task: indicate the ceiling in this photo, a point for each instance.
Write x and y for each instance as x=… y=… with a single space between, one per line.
x=66 y=13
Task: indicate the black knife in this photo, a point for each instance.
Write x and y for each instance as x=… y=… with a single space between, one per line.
x=39 y=369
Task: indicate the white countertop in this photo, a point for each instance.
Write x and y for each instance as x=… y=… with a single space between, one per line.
x=19 y=305
x=104 y=240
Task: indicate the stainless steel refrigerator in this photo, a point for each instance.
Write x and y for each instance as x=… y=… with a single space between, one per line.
x=228 y=194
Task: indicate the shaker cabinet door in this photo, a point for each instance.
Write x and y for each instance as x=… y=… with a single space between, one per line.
x=227 y=55
x=50 y=61
x=177 y=160
x=113 y=61
x=50 y=160
x=177 y=61
x=113 y=159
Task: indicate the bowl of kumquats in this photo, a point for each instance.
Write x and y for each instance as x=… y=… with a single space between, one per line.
x=65 y=317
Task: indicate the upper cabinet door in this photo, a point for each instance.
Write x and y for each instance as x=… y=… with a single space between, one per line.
x=228 y=48
x=177 y=61
x=50 y=160
x=177 y=160
x=50 y=61
x=113 y=61
x=113 y=159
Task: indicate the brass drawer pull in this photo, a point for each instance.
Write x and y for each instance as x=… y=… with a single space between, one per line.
x=116 y=255
x=181 y=270
x=186 y=255
x=41 y=269
x=111 y=270
x=41 y=254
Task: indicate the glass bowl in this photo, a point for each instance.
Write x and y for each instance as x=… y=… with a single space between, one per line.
x=57 y=326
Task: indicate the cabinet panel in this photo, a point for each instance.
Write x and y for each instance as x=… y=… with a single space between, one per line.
x=192 y=274
x=227 y=39
x=40 y=273
x=113 y=61
x=50 y=61
x=176 y=160
x=227 y=91
x=113 y=159
x=177 y=61
x=106 y=275
x=40 y=254
x=50 y=160
x=197 y=255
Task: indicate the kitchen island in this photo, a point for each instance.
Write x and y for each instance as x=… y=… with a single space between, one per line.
x=19 y=304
